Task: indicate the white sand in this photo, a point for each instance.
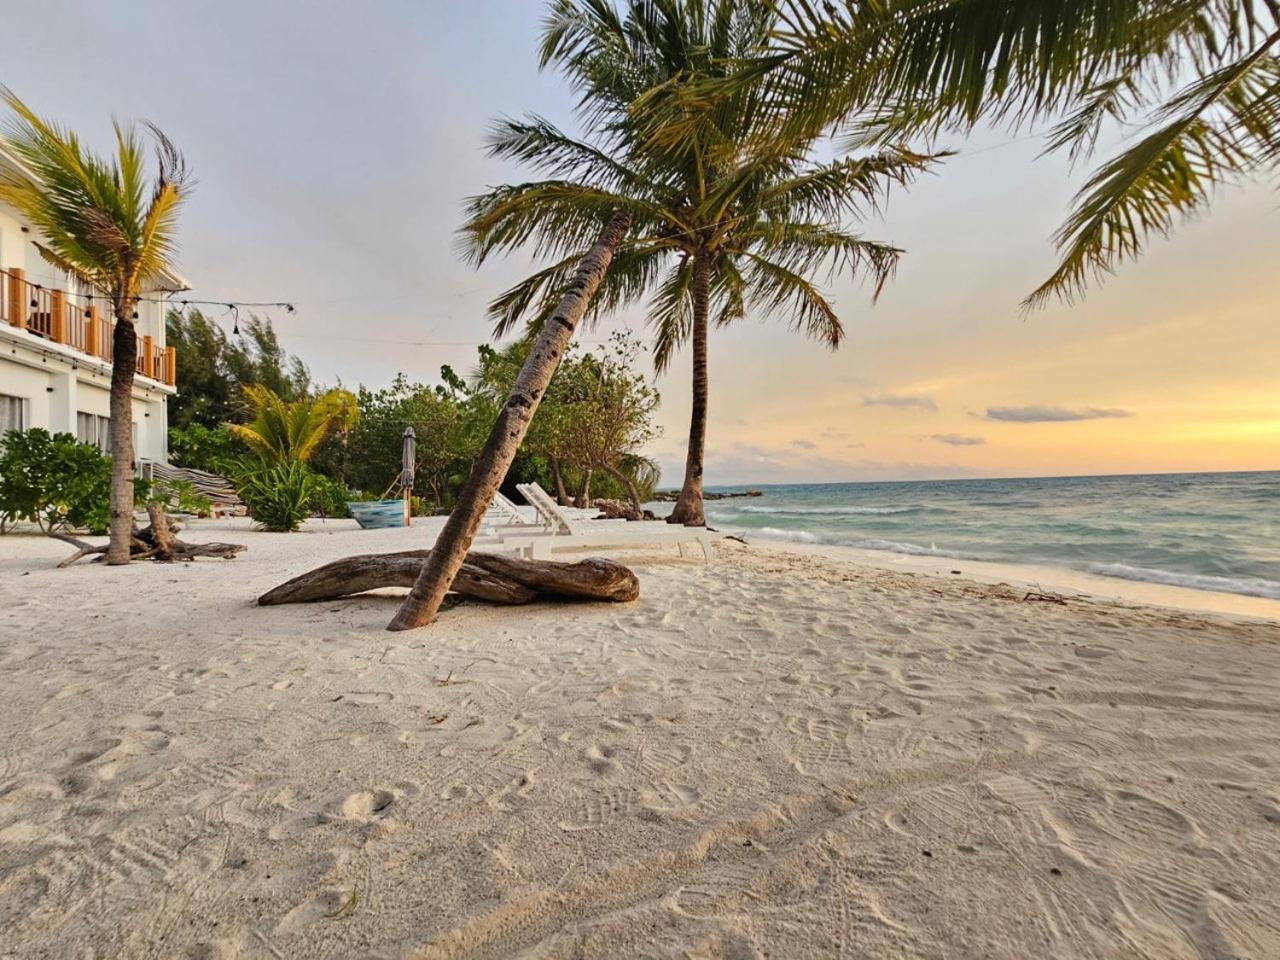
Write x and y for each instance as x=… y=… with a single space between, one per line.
x=782 y=755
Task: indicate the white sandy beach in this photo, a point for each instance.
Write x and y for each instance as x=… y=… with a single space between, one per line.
x=785 y=754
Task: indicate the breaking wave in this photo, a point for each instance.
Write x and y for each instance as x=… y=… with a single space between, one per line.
x=1245 y=586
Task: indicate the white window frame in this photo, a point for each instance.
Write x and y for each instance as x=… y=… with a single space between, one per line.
x=22 y=405
x=98 y=434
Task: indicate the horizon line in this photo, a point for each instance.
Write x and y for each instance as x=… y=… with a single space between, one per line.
x=1064 y=476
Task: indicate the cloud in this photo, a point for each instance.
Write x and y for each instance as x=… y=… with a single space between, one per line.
x=956 y=440
x=1039 y=413
x=804 y=444
x=901 y=402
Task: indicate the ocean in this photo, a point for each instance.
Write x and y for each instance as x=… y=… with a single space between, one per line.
x=1207 y=531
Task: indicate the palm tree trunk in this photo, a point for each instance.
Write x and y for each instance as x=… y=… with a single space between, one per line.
x=423 y=602
x=584 y=491
x=562 y=495
x=124 y=346
x=688 y=508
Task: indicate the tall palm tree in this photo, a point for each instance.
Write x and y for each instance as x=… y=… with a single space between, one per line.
x=113 y=225
x=727 y=219
x=283 y=431
x=508 y=431
x=1197 y=80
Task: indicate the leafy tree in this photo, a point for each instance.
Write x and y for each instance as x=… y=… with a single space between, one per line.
x=198 y=447
x=112 y=225
x=1195 y=83
x=728 y=216
x=54 y=481
x=291 y=431
x=259 y=359
x=213 y=369
x=611 y=409
x=447 y=420
x=596 y=414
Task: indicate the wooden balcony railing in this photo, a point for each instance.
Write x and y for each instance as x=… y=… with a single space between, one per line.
x=56 y=316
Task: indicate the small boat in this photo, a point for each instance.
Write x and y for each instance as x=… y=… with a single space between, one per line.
x=377 y=514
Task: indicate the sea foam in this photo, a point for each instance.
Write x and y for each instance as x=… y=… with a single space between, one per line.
x=1245 y=586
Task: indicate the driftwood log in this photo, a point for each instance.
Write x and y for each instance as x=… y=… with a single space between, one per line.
x=157 y=541
x=484 y=576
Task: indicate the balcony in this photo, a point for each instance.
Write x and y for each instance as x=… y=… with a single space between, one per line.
x=59 y=317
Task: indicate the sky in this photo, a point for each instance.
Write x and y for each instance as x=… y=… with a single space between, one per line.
x=334 y=143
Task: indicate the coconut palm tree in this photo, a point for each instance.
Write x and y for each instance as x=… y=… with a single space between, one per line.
x=509 y=429
x=727 y=219
x=282 y=431
x=112 y=224
x=1197 y=81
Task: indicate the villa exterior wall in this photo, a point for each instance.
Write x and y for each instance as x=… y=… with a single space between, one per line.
x=61 y=386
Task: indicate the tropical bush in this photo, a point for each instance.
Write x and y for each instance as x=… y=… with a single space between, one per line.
x=53 y=481
x=329 y=498
x=179 y=495
x=279 y=495
x=283 y=431
x=198 y=447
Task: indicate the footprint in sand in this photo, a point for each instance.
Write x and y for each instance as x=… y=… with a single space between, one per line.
x=666 y=796
x=368 y=805
x=367 y=697
x=600 y=758
x=91 y=751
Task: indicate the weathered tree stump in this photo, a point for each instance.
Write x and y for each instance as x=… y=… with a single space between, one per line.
x=157 y=541
x=484 y=576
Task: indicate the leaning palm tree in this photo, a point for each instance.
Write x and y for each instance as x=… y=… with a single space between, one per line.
x=111 y=224
x=284 y=431
x=508 y=431
x=727 y=219
x=1197 y=82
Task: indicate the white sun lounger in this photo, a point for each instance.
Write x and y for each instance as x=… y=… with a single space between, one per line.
x=503 y=515
x=569 y=533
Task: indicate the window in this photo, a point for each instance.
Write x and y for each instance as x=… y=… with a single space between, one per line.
x=12 y=413
x=90 y=428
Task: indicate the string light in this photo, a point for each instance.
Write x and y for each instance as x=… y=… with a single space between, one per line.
x=166 y=299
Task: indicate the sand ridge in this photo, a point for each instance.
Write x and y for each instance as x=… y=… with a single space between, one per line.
x=779 y=755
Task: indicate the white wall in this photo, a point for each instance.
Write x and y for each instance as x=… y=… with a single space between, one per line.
x=55 y=393
x=55 y=390
x=20 y=381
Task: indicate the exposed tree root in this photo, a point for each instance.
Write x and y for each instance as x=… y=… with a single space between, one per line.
x=157 y=541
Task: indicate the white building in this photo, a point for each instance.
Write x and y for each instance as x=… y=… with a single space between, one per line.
x=55 y=348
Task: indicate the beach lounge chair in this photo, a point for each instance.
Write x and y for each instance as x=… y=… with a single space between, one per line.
x=504 y=515
x=574 y=533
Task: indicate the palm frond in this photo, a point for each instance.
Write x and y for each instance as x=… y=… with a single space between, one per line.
x=1169 y=173
x=775 y=289
x=109 y=221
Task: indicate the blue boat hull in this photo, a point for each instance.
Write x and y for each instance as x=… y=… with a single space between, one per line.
x=378 y=514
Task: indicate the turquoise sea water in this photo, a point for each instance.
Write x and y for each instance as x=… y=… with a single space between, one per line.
x=1209 y=531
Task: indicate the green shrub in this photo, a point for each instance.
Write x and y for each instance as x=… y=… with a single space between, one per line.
x=180 y=495
x=197 y=447
x=53 y=481
x=278 y=495
x=330 y=498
